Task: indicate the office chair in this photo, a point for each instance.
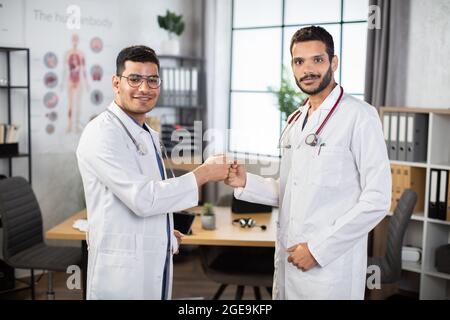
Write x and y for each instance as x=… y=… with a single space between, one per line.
x=23 y=242
x=391 y=263
x=240 y=266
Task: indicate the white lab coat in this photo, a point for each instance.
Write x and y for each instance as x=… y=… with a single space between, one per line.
x=330 y=200
x=127 y=204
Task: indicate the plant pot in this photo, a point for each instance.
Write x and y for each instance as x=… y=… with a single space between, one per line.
x=170 y=47
x=209 y=222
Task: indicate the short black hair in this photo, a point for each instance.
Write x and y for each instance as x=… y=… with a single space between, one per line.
x=312 y=33
x=135 y=54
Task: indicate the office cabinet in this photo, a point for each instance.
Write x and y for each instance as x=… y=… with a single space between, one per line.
x=424 y=230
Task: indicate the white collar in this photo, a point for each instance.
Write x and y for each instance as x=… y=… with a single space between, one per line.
x=134 y=128
x=329 y=101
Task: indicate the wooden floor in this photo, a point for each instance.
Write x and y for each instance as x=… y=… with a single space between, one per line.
x=189 y=282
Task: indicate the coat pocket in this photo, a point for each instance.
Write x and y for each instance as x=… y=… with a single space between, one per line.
x=116 y=277
x=327 y=166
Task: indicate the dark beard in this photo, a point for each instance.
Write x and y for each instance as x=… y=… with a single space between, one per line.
x=325 y=82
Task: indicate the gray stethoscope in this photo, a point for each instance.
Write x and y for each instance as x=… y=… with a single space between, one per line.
x=311 y=139
x=140 y=147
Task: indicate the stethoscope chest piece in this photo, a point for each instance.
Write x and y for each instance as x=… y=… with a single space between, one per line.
x=142 y=149
x=312 y=139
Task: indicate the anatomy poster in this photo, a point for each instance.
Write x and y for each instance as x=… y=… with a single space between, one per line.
x=72 y=59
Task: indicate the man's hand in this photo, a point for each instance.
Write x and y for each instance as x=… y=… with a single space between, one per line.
x=215 y=168
x=237 y=176
x=179 y=236
x=301 y=257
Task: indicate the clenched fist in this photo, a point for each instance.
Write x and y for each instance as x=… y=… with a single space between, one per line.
x=237 y=176
x=215 y=168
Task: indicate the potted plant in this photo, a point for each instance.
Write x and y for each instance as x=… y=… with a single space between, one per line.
x=174 y=25
x=288 y=97
x=208 y=217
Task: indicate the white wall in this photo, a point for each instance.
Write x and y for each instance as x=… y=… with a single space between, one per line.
x=428 y=81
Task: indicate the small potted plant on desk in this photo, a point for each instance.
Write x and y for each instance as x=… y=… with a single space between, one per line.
x=208 y=217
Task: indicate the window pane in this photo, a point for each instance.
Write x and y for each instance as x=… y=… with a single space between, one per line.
x=268 y=13
x=359 y=96
x=353 y=63
x=255 y=123
x=307 y=11
x=356 y=10
x=333 y=29
x=256 y=59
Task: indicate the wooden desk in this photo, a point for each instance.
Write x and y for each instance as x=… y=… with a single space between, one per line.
x=226 y=233
x=66 y=231
x=229 y=234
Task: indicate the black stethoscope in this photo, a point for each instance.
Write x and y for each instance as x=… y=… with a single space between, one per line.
x=311 y=139
x=140 y=147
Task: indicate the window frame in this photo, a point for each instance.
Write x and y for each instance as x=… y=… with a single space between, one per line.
x=283 y=27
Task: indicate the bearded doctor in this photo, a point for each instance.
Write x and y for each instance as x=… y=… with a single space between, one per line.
x=129 y=199
x=334 y=185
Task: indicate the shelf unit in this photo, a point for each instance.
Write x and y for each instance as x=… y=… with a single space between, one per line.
x=7 y=54
x=8 y=107
x=422 y=231
x=183 y=94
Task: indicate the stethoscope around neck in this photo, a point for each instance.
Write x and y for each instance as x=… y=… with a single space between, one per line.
x=311 y=139
x=140 y=147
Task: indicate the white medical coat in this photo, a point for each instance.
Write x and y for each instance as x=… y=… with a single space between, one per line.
x=127 y=205
x=330 y=199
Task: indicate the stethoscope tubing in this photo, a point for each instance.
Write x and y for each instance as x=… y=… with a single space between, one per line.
x=137 y=145
x=297 y=115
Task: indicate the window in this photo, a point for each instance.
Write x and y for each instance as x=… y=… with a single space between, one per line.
x=261 y=34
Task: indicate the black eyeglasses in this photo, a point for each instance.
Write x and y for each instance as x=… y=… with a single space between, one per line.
x=136 y=80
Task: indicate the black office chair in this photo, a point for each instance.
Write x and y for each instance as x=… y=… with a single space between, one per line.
x=391 y=263
x=23 y=242
x=240 y=266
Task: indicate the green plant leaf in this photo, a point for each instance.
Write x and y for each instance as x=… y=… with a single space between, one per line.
x=172 y=22
x=208 y=209
x=288 y=97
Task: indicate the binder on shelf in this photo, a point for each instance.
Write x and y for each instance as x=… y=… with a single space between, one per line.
x=183 y=87
x=417 y=137
x=386 y=127
x=402 y=136
x=171 y=86
x=433 y=211
x=12 y=133
x=2 y=132
x=392 y=190
x=442 y=203
x=448 y=200
x=177 y=87
x=393 y=143
x=187 y=75
x=194 y=78
x=414 y=178
x=165 y=86
x=397 y=185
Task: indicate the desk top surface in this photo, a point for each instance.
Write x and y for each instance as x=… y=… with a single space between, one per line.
x=225 y=234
